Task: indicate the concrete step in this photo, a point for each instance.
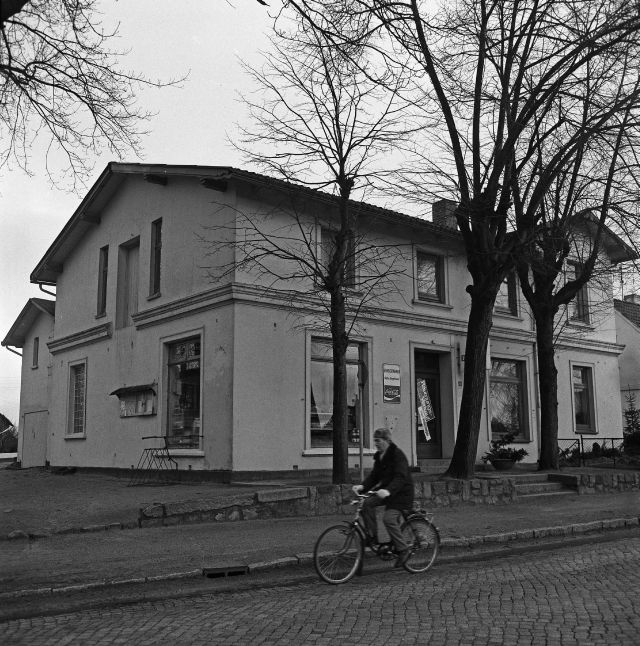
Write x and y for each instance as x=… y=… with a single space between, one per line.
x=538 y=487
x=551 y=495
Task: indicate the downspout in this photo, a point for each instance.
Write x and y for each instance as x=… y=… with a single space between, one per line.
x=42 y=289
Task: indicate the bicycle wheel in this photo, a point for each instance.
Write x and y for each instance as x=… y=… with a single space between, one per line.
x=338 y=553
x=424 y=542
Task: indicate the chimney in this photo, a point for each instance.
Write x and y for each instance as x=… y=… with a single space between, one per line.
x=632 y=298
x=442 y=213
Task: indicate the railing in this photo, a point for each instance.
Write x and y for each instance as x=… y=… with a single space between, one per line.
x=588 y=450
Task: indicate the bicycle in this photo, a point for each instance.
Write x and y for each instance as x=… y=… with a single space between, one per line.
x=339 y=551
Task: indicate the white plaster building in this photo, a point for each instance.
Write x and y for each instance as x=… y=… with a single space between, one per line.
x=235 y=372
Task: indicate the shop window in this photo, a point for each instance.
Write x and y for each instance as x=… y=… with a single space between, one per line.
x=321 y=393
x=328 y=246
x=583 y=403
x=156 y=256
x=76 y=424
x=507 y=403
x=430 y=276
x=36 y=351
x=103 y=271
x=579 y=306
x=183 y=419
x=506 y=299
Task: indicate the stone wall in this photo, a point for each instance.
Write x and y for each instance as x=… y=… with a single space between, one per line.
x=322 y=500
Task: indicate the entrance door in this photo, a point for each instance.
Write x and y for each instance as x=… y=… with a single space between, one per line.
x=34 y=439
x=427 y=395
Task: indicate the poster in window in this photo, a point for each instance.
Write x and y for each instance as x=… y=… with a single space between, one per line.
x=391 y=383
x=425 y=409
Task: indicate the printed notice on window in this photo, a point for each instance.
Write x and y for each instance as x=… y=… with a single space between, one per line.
x=391 y=383
x=425 y=409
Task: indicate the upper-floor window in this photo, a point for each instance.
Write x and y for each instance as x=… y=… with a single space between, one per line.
x=156 y=254
x=579 y=306
x=583 y=402
x=76 y=423
x=507 y=399
x=103 y=272
x=507 y=300
x=430 y=275
x=328 y=247
x=36 y=351
x=127 y=298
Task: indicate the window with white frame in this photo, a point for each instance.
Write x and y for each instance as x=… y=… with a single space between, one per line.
x=583 y=401
x=430 y=277
x=321 y=393
x=579 y=306
x=183 y=400
x=507 y=299
x=76 y=424
x=507 y=399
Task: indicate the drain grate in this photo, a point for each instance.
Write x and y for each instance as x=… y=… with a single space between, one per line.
x=224 y=571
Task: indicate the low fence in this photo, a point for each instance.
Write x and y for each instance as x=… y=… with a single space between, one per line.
x=593 y=450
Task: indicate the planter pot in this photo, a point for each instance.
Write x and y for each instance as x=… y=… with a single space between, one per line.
x=502 y=464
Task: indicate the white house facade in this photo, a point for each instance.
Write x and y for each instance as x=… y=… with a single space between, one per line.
x=234 y=373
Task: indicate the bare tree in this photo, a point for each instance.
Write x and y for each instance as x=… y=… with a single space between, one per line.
x=323 y=122
x=60 y=79
x=494 y=72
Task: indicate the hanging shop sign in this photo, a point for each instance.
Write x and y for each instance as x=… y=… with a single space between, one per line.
x=391 y=383
x=425 y=409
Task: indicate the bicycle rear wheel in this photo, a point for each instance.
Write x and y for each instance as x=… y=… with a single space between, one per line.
x=424 y=541
x=338 y=553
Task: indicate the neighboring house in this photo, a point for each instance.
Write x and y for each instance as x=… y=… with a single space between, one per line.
x=32 y=331
x=628 y=332
x=236 y=373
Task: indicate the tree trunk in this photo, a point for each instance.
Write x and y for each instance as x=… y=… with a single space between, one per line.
x=339 y=342
x=548 y=383
x=475 y=361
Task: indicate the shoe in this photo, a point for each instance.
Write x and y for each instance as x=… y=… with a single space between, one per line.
x=373 y=544
x=403 y=557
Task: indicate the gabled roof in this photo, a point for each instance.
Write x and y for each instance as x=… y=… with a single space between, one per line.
x=629 y=310
x=617 y=249
x=87 y=214
x=27 y=317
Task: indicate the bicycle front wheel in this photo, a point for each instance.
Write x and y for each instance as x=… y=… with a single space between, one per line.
x=338 y=553
x=424 y=542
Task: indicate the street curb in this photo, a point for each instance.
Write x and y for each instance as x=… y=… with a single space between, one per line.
x=452 y=548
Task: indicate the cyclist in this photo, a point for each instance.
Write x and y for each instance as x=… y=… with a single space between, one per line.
x=391 y=480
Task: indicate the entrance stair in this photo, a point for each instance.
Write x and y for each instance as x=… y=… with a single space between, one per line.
x=539 y=486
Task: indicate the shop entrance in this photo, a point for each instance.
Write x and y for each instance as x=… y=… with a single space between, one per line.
x=427 y=397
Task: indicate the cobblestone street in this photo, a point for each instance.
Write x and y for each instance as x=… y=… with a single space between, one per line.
x=581 y=595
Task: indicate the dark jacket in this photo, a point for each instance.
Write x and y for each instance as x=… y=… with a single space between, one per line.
x=392 y=473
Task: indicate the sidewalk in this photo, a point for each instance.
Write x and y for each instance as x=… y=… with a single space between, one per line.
x=36 y=500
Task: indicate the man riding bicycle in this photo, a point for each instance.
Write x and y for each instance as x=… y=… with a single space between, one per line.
x=391 y=480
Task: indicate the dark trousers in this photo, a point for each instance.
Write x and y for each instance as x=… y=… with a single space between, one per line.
x=392 y=520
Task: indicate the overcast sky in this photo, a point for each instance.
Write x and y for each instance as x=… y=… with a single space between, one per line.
x=191 y=126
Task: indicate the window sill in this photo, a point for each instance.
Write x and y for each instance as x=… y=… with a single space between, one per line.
x=424 y=303
x=34 y=367
x=76 y=436
x=186 y=453
x=329 y=451
x=580 y=324
x=152 y=297
x=587 y=432
x=507 y=315
x=102 y=315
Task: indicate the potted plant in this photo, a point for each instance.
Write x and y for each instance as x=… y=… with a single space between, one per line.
x=501 y=456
